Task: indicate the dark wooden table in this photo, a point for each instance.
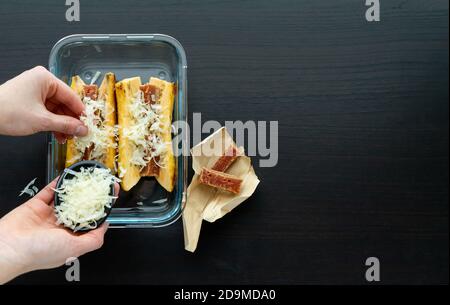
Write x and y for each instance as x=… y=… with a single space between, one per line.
x=363 y=137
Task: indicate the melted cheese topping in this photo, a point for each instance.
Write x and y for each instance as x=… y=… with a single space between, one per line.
x=83 y=198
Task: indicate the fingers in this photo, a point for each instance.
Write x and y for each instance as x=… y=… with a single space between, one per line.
x=61 y=109
x=57 y=108
x=47 y=193
x=60 y=137
x=61 y=93
x=116 y=188
x=91 y=240
x=63 y=124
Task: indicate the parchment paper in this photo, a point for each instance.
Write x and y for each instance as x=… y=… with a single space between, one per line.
x=208 y=203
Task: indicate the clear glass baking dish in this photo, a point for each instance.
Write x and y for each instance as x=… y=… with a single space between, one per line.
x=147 y=204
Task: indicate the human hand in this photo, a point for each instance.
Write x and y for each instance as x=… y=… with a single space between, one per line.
x=37 y=101
x=31 y=240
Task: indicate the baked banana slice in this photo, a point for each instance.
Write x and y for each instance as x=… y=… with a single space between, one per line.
x=145 y=141
x=100 y=118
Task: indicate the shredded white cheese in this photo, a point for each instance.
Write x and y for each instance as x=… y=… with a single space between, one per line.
x=99 y=135
x=83 y=198
x=145 y=133
x=122 y=171
x=96 y=76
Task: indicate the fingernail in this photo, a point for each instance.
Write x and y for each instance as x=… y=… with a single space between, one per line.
x=81 y=130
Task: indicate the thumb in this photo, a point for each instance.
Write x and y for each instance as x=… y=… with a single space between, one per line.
x=47 y=193
x=65 y=124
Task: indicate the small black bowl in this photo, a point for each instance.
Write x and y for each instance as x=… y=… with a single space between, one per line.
x=76 y=168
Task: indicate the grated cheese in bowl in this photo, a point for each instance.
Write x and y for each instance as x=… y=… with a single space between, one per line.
x=83 y=201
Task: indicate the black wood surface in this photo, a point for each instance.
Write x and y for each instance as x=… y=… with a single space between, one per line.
x=363 y=137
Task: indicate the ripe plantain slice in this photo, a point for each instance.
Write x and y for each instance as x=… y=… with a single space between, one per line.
x=126 y=92
x=166 y=175
x=105 y=93
x=71 y=152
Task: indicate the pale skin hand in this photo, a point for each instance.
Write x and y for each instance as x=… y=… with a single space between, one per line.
x=31 y=240
x=37 y=101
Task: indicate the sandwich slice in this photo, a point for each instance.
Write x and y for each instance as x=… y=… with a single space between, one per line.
x=100 y=118
x=145 y=140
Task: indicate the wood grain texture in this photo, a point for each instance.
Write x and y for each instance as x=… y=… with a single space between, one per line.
x=363 y=137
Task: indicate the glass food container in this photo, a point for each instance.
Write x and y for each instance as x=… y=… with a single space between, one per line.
x=147 y=204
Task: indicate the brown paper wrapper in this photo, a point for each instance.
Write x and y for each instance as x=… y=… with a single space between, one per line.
x=208 y=203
